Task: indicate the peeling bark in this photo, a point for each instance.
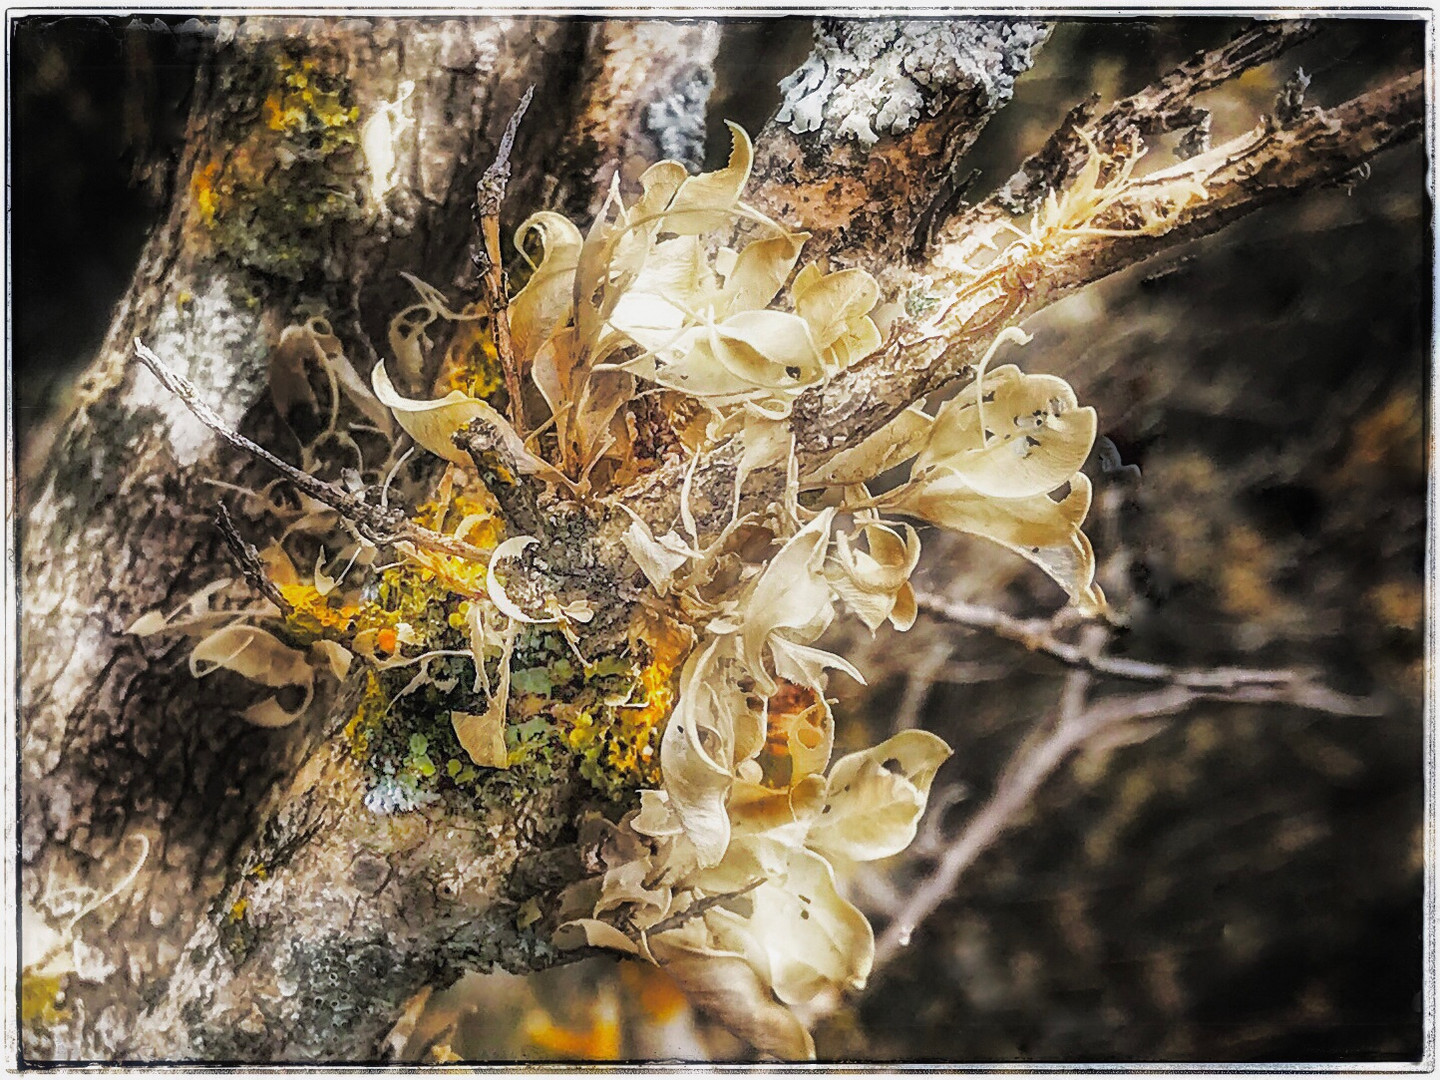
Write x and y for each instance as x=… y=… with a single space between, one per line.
x=864 y=149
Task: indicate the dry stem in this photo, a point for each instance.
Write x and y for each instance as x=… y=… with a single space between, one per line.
x=489 y=195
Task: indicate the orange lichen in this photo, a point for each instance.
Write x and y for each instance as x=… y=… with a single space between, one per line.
x=204 y=192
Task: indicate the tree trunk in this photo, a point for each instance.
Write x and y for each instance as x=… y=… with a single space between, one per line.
x=118 y=742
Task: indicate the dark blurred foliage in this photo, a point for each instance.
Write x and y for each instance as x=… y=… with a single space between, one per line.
x=1245 y=884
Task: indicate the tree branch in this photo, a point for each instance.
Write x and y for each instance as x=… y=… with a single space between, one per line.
x=1036 y=760
x=863 y=153
x=644 y=89
x=1038 y=635
x=379 y=524
x=1165 y=105
x=489 y=195
x=1243 y=175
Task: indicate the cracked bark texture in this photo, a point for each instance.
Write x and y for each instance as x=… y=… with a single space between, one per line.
x=347 y=914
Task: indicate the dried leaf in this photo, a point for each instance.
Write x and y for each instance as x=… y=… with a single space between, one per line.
x=876 y=584
x=759 y=271
x=432 y=424
x=901 y=438
x=1027 y=436
x=482 y=735
x=802 y=936
x=592 y=932
x=724 y=984
x=791 y=599
x=546 y=301
x=874 y=798
x=710 y=730
x=706 y=202
x=1037 y=527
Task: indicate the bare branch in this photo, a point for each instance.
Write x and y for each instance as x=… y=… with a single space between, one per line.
x=248 y=560
x=379 y=524
x=1037 y=759
x=1165 y=105
x=489 y=194
x=1038 y=635
x=699 y=907
x=1243 y=175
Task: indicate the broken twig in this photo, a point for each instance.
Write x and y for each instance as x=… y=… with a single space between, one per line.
x=489 y=194
x=380 y=525
x=248 y=561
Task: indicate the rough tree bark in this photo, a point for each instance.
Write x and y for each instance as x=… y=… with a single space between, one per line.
x=346 y=914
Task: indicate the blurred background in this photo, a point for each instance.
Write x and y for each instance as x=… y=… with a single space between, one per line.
x=1239 y=883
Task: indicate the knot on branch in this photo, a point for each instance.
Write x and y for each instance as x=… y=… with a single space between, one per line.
x=517 y=493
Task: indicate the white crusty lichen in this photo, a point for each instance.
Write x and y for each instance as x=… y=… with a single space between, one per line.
x=865 y=79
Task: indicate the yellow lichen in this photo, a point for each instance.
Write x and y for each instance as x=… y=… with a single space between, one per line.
x=471 y=363
x=39 y=995
x=298 y=101
x=204 y=192
x=314 y=614
x=366 y=719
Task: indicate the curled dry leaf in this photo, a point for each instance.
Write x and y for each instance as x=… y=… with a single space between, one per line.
x=875 y=584
x=1021 y=435
x=791 y=600
x=545 y=302
x=482 y=735
x=1042 y=529
x=724 y=984
x=262 y=658
x=433 y=424
x=710 y=730
x=659 y=559
x=800 y=934
x=902 y=438
x=706 y=202
x=874 y=798
x=600 y=935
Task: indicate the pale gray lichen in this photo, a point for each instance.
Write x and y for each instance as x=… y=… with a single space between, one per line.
x=677 y=120
x=393 y=795
x=865 y=79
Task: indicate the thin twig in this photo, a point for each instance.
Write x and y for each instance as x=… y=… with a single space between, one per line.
x=248 y=560
x=1037 y=635
x=1036 y=759
x=1165 y=105
x=680 y=918
x=378 y=524
x=489 y=195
